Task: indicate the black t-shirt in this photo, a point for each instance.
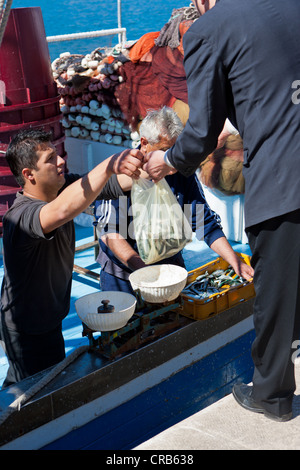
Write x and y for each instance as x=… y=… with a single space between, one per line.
x=35 y=294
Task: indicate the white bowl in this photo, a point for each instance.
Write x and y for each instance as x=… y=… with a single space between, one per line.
x=159 y=283
x=86 y=308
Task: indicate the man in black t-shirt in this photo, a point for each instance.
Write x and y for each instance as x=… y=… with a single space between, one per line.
x=39 y=246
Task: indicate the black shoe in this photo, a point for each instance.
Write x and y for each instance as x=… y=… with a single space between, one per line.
x=243 y=395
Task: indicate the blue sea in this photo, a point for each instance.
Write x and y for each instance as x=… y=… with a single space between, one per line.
x=74 y=16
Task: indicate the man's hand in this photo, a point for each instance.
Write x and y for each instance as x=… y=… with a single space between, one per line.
x=222 y=247
x=156 y=167
x=127 y=162
x=244 y=270
x=228 y=130
x=222 y=138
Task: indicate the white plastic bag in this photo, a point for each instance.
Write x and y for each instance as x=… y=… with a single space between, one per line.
x=160 y=226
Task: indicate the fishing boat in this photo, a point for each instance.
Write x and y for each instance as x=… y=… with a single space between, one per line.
x=118 y=388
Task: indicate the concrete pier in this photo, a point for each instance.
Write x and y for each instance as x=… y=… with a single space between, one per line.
x=225 y=425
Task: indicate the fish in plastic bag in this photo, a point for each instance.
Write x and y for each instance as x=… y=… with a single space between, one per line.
x=161 y=228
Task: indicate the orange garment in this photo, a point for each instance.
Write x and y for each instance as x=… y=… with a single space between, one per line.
x=109 y=59
x=142 y=46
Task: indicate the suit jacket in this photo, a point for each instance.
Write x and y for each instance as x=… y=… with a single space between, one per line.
x=242 y=61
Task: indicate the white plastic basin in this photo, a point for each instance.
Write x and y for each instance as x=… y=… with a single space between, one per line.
x=160 y=283
x=86 y=308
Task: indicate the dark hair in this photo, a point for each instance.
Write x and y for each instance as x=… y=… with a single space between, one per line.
x=21 y=152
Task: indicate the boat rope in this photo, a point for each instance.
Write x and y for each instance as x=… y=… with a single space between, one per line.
x=170 y=33
x=4 y=13
x=16 y=405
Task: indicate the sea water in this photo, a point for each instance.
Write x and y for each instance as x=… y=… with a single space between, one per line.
x=74 y=16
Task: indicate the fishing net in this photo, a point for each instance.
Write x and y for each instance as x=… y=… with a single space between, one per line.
x=171 y=34
x=167 y=66
x=140 y=91
x=151 y=85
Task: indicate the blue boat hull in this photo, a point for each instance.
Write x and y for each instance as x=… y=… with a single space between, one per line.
x=173 y=400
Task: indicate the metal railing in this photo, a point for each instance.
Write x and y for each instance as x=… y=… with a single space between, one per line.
x=93 y=34
x=89 y=34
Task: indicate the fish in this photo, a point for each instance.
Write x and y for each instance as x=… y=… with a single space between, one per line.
x=207 y=284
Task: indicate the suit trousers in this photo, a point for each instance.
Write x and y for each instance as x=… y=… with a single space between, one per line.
x=275 y=246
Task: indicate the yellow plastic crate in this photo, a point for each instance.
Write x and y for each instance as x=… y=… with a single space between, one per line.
x=199 y=309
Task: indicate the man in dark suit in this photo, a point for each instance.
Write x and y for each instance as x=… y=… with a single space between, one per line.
x=242 y=61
